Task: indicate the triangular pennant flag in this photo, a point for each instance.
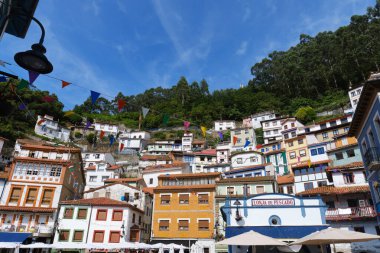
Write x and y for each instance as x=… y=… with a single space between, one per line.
x=101 y=135
x=43 y=127
x=145 y=111
x=48 y=99
x=247 y=142
x=165 y=119
x=204 y=129
x=112 y=139
x=309 y=163
x=235 y=139
x=68 y=113
x=40 y=122
x=186 y=125
x=22 y=84
x=120 y=104
x=3 y=79
x=88 y=124
x=33 y=76
x=64 y=84
x=121 y=147
x=220 y=135
x=94 y=96
x=22 y=107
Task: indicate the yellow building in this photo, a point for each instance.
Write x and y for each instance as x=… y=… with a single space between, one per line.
x=296 y=150
x=184 y=210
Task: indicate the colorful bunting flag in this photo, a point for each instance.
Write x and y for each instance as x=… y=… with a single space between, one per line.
x=258 y=146
x=64 y=84
x=121 y=147
x=3 y=79
x=48 y=99
x=145 y=111
x=22 y=107
x=186 y=125
x=40 y=122
x=94 y=96
x=309 y=163
x=235 y=139
x=32 y=76
x=247 y=142
x=43 y=127
x=101 y=135
x=88 y=124
x=68 y=113
x=165 y=119
x=22 y=84
x=204 y=129
x=112 y=139
x=120 y=104
x=220 y=135
x=299 y=158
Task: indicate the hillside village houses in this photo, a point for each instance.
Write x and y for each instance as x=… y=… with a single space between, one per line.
x=258 y=117
x=47 y=127
x=133 y=142
x=354 y=95
x=106 y=127
x=223 y=125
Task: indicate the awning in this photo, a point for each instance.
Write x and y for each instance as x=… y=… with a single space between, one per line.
x=14 y=236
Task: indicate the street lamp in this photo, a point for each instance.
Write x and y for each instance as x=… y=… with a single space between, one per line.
x=237 y=204
x=35 y=60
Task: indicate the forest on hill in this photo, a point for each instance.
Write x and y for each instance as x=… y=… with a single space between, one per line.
x=317 y=72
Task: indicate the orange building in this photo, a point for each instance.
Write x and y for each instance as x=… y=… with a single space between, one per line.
x=184 y=210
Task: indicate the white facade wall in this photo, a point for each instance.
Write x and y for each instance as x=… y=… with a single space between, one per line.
x=224 y=125
x=318 y=156
x=354 y=96
x=50 y=129
x=107 y=128
x=223 y=153
x=359 y=178
x=187 y=141
x=257 y=118
x=151 y=177
x=272 y=130
x=96 y=178
x=246 y=159
x=299 y=181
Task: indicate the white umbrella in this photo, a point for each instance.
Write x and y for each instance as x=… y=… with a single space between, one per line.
x=176 y=246
x=194 y=248
x=70 y=245
x=37 y=245
x=161 y=249
x=8 y=245
x=171 y=250
x=252 y=238
x=181 y=250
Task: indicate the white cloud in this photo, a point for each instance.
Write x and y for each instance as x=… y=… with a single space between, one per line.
x=242 y=48
x=247 y=14
x=92 y=6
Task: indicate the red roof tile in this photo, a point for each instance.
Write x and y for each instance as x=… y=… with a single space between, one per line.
x=148 y=190
x=184 y=187
x=155 y=158
x=306 y=164
x=113 y=167
x=347 y=166
x=90 y=168
x=286 y=179
x=109 y=185
x=332 y=190
x=190 y=175
x=206 y=152
x=100 y=202
x=28 y=209
x=124 y=180
x=166 y=166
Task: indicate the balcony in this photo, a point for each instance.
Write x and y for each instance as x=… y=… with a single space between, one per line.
x=336 y=214
x=38 y=230
x=372 y=158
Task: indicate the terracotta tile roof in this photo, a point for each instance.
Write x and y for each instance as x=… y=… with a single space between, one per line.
x=343 y=147
x=333 y=119
x=148 y=190
x=247 y=167
x=166 y=166
x=40 y=160
x=184 y=187
x=4 y=174
x=155 y=157
x=124 y=180
x=90 y=168
x=245 y=179
x=28 y=209
x=306 y=164
x=245 y=152
x=50 y=148
x=191 y=175
x=274 y=151
x=332 y=190
x=206 y=152
x=100 y=202
x=347 y=166
x=286 y=179
x=113 y=167
x=198 y=142
x=109 y=185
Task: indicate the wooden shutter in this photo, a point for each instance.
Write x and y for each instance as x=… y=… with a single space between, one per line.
x=114 y=237
x=165 y=197
x=69 y=213
x=117 y=215
x=98 y=236
x=203 y=197
x=48 y=196
x=184 y=197
x=16 y=192
x=259 y=189
x=32 y=194
x=102 y=215
x=164 y=223
x=82 y=213
x=203 y=224
x=64 y=235
x=183 y=223
x=78 y=235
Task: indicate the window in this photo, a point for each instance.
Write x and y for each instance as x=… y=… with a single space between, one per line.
x=97 y=156
x=292 y=124
x=325 y=135
x=267 y=124
x=140 y=220
x=330 y=204
x=274 y=123
x=377 y=230
x=137 y=195
x=292 y=155
x=126 y=196
x=133 y=218
x=183 y=225
x=32 y=196
x=332 y=123
x=321 y=151
x=300 y=141
x=206 y=250
x=359 y=229
x=104 y=178
x=150 y=180
x=93 y=178
x=293 y=134
x=339 y=156
x=352 y=93
x=202 y=198
x=348 y=178
x=290 y=189
x=87 y=156
x=98 y=236
x=117 y=215
x=55 y=171
x=290 y=144
x=114 y=237
x=163 y=225
x=63 y=235
x=203 y=225
x=101 y=214
x=47 y=197
x=259 y=189
x=313 y=152
x=346 y=129
x=352 y=202
x=253 y=159
x=308 y=186
x=239 y=161
x=286 y=136
x=78 y=236
x=274 y=220
x=322 y=183
x=335 y=132
x=184 y=198
x=285 y=127
x=165 y=199
x=68 y=214
x=82 y=213
x=350 y=153
x=230 y=190
x=323 y=126
x=302 y=152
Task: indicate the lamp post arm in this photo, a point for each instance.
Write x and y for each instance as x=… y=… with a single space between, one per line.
x=42 y=30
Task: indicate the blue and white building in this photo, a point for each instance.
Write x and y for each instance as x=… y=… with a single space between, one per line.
x=280 y=216
x=365 y=126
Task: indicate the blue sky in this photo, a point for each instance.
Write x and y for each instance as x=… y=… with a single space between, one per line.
x=130 y=46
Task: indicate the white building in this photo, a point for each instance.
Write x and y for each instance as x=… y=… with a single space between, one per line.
x=258 y=117
x=291 y=128
x=150 y=174
x=98 y=168
x=223 y=151
x=354 y=95
x=153 y=160
x=164 y=147
x=309 y=176
x=286 y=184
x=272 y=130
x=47 y=127
x=187 y=141
x=240 y=136
x=133 y=142
x=107 y=128
x=98 y=220
x=248 y=158
x=203 y=158
x=223 y=125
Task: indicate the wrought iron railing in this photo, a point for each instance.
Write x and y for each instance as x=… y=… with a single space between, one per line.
x=350 y=213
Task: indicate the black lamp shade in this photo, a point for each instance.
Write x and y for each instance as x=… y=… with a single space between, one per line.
x=34 y=60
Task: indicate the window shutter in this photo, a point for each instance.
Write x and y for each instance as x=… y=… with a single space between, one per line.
x=117 y=215
x=78 y=235
x=183 y=223
x=259 y=189
x=203 y=197
x=203 y=224
x=115 y=237
x=164 y=223
x=102 y=215
x=82 y=213
x=165 y=197
x=98 y=236
x=69 y=212
x=184 y=197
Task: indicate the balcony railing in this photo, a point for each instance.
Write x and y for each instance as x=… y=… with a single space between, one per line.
x=39 y=229
x=350 y=213
x=372 y=158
